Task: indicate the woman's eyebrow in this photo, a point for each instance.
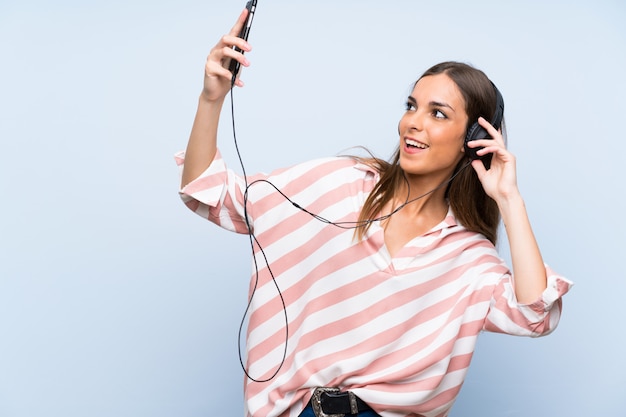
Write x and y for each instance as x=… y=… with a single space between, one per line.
x=412 y=100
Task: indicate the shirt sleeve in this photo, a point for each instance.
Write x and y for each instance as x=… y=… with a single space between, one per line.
x=536 y=319
x=216 y=195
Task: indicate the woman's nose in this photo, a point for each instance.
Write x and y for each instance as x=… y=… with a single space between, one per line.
x=416 y=120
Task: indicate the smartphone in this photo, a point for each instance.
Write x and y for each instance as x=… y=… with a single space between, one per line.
x=245 y=31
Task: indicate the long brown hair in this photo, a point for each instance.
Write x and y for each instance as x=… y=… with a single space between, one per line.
x=473 y=208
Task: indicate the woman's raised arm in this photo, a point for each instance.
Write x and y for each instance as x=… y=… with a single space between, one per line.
x=202 y=144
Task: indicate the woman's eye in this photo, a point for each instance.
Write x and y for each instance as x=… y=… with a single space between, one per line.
x=439 y=115
x=410 y=106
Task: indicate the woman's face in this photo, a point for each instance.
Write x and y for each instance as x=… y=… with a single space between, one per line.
x=433 y=128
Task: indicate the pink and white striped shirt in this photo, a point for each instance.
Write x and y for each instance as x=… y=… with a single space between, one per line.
x=397 y=331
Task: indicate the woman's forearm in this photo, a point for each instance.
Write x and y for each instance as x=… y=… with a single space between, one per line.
x=529 y=271
x=202 y=144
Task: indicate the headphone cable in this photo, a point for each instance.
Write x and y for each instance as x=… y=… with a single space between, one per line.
x=254 y=240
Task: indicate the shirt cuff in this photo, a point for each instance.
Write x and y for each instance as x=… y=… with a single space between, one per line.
x=557 y=287
x=208 y=187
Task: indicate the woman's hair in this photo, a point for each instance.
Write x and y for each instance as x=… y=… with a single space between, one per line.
x=473 y=208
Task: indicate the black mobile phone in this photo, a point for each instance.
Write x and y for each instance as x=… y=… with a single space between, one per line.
x=245 y=31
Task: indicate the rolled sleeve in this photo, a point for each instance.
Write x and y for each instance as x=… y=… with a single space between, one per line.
x=538 y=318
x=215 y=195
x=208 y=188
x=545 y=312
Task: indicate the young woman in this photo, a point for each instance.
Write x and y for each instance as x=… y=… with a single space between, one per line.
x=375 y=278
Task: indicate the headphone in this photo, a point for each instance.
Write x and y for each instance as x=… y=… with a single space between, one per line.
x=476 y=131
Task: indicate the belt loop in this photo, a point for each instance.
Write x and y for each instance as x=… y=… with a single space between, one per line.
x=354 y=408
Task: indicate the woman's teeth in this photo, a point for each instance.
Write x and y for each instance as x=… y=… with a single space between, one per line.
x=415 y=144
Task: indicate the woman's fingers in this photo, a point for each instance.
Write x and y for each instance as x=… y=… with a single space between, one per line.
x=493 y=132
x=488 y=145
x=229 y=47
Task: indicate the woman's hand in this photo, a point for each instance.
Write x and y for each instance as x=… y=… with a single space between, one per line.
x=500 y=181
x=217 y=77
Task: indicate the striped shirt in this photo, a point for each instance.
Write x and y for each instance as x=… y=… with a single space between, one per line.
x=397 y=331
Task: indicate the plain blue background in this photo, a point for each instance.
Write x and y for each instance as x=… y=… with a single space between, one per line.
x=117 y=301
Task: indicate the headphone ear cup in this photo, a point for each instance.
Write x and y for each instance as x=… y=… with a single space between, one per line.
x=476 y=131
x=472 y=134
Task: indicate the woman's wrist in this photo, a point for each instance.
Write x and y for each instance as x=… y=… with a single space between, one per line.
x=511 y=205
x=206 y=98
